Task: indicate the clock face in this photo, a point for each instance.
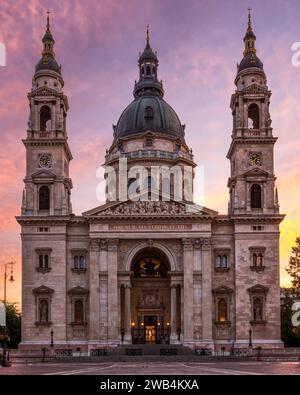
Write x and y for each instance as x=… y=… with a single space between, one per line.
x=255 y=159
x=45 y=161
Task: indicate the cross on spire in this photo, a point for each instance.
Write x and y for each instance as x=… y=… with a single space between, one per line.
x=148 y=36
x=249 y=20
x=48 y=19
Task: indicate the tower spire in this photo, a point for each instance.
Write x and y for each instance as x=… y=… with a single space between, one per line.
x=48 y=20
x=250 y=37
x=48 y=55
x=148 y=37
x=249 y=21
x=148 y=64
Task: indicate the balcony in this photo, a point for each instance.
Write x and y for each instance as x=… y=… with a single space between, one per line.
x=149 y=154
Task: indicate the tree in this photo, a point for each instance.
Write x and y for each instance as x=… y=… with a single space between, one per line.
x=289 y=334
x=293 y=268
x=13 y=325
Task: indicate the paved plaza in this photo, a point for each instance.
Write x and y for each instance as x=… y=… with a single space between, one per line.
x=155 y=368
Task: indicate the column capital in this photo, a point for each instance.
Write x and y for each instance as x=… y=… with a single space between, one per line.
x=112 y=244
x=175 y=285
x=197 y=244
x=103 y=244
x=206 y=243
x=187 y=244
x=94 y=244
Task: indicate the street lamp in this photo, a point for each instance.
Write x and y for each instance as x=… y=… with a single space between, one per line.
x=51 y=338
x=11 y=278
x=250 y=338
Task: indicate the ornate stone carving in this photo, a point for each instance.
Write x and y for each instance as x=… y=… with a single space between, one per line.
x=206 y=243
x=197 y=244
x=112 y=244
x=187 y=244
x=103 y=244
x=94 y=245
x=147 y=207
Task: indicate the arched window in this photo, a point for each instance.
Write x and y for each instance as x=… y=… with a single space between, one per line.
x=253 y=116
x=219 y=261
x=257 y=309
x=224 y=261
x=78 y=312
x=149 y=183
x=45 y=118
x=132 y=186
x=149 y=112
x=44 y=198
x=148 y=70
x=222 y=310
x=44 y=310
x=255 y=196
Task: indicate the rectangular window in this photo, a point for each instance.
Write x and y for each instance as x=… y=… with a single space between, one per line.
x=79 y=262
x=43 y=261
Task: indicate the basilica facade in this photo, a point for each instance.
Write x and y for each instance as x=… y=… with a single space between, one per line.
x=150 y=270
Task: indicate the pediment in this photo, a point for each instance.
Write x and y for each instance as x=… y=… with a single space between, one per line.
x=222 y=290
x=254 y=89
x=43 y=289
x=256 y=172
x=146 y=208
x=44 y=91
x=258 y=289
x=43 y=174
x=78 y=291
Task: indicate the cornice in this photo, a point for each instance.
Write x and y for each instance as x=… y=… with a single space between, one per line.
x=250 y=140
x=49 y=143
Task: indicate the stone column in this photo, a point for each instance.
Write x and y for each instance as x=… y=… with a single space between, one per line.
x=103 y=290
x=52 y=186
x=94 y=305
x=112 y=291
x=206 y=291
x=127 y=335
x=35 y=199
x=174 y=336
x=197 y=276
x=188 y=266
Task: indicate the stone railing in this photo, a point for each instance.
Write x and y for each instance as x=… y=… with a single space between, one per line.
x=144 y=154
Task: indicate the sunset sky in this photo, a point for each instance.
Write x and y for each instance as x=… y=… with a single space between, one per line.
x=198 y=42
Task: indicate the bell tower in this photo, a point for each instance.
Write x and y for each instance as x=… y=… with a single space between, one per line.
x=252 y=181
x=47 y=183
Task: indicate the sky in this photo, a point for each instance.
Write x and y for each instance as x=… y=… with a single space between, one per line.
x=198 y=42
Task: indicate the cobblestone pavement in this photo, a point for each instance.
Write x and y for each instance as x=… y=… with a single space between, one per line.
x=155 y=368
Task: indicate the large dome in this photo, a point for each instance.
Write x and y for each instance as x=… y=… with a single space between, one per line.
x=149 y=113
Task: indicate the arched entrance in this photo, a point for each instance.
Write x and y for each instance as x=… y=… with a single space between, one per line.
x=150 y=305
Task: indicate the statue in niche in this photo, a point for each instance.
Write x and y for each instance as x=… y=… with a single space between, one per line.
x=30 y=123
x=238 y=120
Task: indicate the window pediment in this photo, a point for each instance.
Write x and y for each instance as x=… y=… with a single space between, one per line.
x=258 y=289
x=43 y=176
x=222 y=290
x=254 y=173
x=43 y=289
x=78 y=291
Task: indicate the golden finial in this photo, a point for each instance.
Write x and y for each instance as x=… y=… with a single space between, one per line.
x=249 y=20
x=148 y=35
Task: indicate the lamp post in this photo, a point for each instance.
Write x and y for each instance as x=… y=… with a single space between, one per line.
x=51 y=338
x=11 y=278
x=250 y=338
